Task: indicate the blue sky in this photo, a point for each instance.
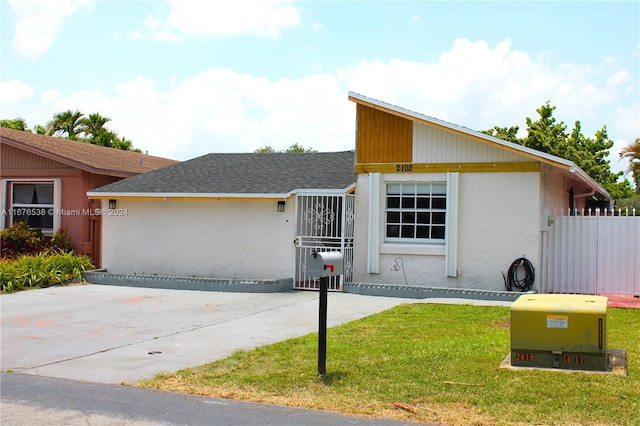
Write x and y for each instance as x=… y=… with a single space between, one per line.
x=185 y=78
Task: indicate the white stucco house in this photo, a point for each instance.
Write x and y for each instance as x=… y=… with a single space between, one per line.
x=245 y=216
x=420 y=202
x=442 y=205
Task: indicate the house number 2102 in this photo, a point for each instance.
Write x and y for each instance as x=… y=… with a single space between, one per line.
x=404 y=167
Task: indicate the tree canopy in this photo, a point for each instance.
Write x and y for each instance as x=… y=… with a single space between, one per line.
x=77 y=126
x=548 y=135
x=296 y=148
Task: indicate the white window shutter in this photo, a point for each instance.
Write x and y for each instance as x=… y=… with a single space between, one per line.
x=373 y=249
x=451 y=257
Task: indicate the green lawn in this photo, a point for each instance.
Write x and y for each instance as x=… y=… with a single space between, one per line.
x=438 y=361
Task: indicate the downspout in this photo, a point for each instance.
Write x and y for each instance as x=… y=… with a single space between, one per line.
x=586 y=194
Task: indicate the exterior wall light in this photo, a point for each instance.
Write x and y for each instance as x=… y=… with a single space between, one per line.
x=281 y=206
x=112 y=204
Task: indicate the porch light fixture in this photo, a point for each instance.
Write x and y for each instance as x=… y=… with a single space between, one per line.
x=112 y=204
x=281 y=206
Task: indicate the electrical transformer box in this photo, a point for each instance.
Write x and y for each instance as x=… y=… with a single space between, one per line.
x=563 y=331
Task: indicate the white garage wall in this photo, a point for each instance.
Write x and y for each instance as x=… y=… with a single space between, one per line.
x=218 y=239
x=498 y=222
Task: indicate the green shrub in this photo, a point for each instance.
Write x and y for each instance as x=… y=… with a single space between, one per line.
x=21 y=239
x=41 y=270
x=61 y=240
x=629 y=203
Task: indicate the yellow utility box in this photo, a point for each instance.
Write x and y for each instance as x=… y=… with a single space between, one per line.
x=563 y=331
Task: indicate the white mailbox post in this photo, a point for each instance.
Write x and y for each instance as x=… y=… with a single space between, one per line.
x=324 y=265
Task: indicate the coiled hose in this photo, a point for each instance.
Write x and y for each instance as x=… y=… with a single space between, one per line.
x=512 y=280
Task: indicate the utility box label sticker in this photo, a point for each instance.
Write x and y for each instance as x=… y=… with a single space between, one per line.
x=557 y=321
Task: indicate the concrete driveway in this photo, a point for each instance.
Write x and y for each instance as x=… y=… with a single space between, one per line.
x=113 y=334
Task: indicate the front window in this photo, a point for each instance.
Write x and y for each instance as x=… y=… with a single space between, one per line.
x=416 y=212
x=33 y=203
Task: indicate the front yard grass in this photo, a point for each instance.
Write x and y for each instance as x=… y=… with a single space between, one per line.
x=425 y=363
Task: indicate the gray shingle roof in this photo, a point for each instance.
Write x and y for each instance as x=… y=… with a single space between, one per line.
x=244 y=173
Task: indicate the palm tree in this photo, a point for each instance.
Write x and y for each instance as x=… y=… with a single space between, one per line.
x=75 y=125
x=65 y=124
x=93 y=125
x=632 y=152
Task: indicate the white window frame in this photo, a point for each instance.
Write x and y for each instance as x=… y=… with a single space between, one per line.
x=7 y=205
x=377 y=222
x=432 y=194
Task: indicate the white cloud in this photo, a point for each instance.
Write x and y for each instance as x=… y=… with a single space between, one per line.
x=478 y=86
x=38 y=22
x=617 y=78
x=14 y=95
x=241 y=113
x=628 y=121
x=473 y=85
x=14 y=90
x=319 y=27
x=264 y=18
x=220 y=110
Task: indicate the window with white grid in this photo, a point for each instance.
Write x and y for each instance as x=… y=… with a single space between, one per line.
x=416 y=212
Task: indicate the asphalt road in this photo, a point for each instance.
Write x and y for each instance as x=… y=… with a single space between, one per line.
x=34 y=400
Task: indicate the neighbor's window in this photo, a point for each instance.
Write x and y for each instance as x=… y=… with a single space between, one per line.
x=416 y=212
x=33 y=203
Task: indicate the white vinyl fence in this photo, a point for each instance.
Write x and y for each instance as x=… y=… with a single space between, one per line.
x=593 y=252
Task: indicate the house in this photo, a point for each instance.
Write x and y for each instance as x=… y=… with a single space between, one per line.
x=251 y=216
x=441 y=205
x=50 y=177
x=420 y=203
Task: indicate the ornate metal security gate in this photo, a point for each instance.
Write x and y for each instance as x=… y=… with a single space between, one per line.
x=324 y=223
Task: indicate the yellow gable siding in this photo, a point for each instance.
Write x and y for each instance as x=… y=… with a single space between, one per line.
x=434 y=145
x=382 y=137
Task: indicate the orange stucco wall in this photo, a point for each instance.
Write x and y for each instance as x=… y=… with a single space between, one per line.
x=83 y=228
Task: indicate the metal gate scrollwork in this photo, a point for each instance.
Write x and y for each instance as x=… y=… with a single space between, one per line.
x=324 y=223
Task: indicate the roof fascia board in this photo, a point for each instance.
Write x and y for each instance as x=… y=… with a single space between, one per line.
x=215 y=196
x=349 y=189
x=182 y=195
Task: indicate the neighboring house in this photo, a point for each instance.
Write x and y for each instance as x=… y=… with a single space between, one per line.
x=45 y=181
x=435 y=205
x=449 y=206
x=228 y=216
